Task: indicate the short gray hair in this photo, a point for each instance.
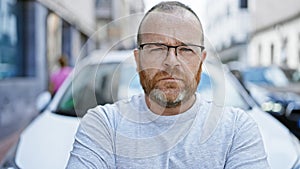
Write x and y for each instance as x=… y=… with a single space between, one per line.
x=169 y=7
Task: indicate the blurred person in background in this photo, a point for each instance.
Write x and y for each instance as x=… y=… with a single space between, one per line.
x=58 y=77
x=169 y=125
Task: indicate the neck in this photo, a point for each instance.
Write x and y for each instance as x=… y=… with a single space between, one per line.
x=164 y=111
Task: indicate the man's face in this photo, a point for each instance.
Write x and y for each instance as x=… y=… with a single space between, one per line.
x=170 y=79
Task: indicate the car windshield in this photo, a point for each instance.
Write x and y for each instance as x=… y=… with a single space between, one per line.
x=97 y=85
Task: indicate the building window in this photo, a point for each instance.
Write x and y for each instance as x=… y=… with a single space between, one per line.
x=259 y=54
x=103 y=3
x=84 y=44
x=299 y=49
x=228 y=10
x=272 y=53
x=11 y=50
x=243 y=4
x=284 y=58
x=54 y=40
x=299 y=57
x=103 y=9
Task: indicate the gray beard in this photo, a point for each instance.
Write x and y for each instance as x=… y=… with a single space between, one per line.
x=159 y=97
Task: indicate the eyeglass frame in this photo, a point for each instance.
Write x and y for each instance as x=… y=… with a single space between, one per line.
x=171 y=46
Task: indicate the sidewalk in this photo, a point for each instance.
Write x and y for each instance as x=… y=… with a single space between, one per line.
x=9 y=133
x=7 y=143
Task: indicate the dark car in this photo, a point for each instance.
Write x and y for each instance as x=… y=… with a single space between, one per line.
x=273 y=91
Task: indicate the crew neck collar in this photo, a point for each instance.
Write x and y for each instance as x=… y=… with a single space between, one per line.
x=182 y=117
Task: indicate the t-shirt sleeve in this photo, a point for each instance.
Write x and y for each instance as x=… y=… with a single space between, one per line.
x=247 y=149
x=93 y=146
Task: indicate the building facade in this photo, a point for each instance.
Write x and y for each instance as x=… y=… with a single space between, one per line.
x=227 y=27
x=275 y=37
x=258 y=32
x=33 y=33
x=117 y=22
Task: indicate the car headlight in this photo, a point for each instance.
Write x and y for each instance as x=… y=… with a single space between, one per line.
x=10 y=158
x=272 y=107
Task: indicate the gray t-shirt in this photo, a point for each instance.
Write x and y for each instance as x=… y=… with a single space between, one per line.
x=128 y=135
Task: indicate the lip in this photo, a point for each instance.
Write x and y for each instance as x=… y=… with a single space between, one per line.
x=169 y=79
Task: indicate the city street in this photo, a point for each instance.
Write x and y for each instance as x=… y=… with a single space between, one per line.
x=43 y=42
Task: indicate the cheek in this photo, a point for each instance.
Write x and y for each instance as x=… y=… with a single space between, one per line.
x=150 y=64
x=192 y=70
x=149 y=72
x=146 y=77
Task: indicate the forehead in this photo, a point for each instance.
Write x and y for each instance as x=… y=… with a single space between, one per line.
x=182 y=26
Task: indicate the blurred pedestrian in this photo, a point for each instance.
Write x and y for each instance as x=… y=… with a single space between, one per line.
x=170 y=125
x=58 y=77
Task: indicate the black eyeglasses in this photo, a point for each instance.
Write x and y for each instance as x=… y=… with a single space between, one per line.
x=160 y=49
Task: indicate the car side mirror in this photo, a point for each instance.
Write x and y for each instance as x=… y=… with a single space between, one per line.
x=43 y=100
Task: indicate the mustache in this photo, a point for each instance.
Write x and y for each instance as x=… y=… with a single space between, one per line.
x=149 y=84
x=169 y=73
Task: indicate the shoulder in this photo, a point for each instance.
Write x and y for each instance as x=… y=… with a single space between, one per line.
x=100 y=113
x=240 y=125
x=237 y=118
x=110 y=114
x=223 y=114
x=225 y=122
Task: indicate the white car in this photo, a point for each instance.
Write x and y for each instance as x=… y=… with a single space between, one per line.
x=105 y=77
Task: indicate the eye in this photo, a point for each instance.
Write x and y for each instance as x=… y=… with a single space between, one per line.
x=186 y=49
x=155 y=47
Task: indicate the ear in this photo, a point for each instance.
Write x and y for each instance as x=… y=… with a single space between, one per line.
x=203 y=55
x=137 y=59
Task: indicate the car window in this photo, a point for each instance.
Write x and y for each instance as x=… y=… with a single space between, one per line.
x=255 y=76
x=280 y=80
x=265 y=76
x=232 y=94
x=129 y=84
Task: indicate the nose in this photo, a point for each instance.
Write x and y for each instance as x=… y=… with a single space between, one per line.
x=171 y=59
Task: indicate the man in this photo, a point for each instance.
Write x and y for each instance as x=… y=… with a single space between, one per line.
x=167 y=126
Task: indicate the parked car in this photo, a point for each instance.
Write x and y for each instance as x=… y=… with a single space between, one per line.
x=293 y=75
x=273 y=91
x=47 y=141
x=272 y=78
